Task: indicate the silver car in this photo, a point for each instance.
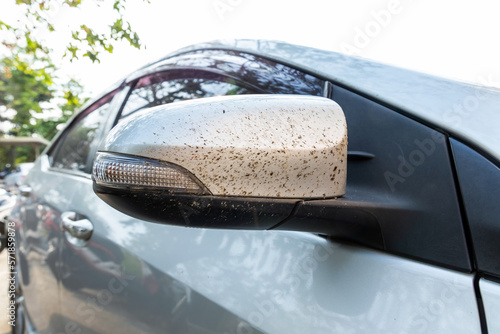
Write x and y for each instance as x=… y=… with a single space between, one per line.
x=326 y=194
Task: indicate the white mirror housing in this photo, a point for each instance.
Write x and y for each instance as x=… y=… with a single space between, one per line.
x=273 y=146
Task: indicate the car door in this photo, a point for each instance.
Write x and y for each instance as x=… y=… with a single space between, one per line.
x=38 y=237
x=412 y=275
x=46 y=198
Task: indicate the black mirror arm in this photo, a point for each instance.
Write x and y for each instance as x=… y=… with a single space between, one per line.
x=344 y=218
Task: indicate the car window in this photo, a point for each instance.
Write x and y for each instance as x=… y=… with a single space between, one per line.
x=73 y=153
x=263 y=75
x=163 y=88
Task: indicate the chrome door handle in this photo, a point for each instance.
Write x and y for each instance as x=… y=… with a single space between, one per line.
x=80 y=229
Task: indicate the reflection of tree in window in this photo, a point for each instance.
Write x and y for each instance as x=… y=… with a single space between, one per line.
x=178 y=90
x=74 y=151
x=261 y=74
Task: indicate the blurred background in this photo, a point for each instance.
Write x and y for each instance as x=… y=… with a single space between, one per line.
x=55 y=54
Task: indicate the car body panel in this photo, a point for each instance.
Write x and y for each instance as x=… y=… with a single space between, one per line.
x=251 y=282
x=121 y=281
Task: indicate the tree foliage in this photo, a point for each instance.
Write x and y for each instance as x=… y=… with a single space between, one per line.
x=29 y=86
x=24 y=87
x=86 y=40
x=29 y=89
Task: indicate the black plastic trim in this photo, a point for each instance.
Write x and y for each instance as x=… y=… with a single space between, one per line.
x=404 y=165
x=466 y=224
x=342 y=218
x=480 y=305
x=480 y=188
x=249 y=213
x=359 y=156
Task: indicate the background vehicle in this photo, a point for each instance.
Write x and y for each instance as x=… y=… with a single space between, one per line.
x=13 y=180
x=7 y=202
x=410 y=248
x=5 y=171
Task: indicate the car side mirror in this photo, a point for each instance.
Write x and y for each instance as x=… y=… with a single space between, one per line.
x=239 y=162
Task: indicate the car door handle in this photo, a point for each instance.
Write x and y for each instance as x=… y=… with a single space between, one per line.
x=81 y=229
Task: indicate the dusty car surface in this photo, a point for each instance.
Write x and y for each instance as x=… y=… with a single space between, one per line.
x=326 y=194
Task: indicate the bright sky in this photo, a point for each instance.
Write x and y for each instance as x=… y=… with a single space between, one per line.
x=454 y=39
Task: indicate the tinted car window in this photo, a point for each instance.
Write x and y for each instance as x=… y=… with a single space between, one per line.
x=74 y=151
x=161 y=89
x=216 y=72
x=262 y=74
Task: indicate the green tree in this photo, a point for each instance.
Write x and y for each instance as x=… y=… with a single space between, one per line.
x=23 y=87
x=86 y=40
x=29 y=86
